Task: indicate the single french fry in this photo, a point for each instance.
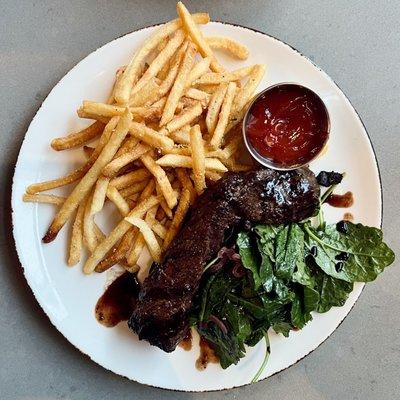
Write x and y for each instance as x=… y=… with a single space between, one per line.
x=162 y=58
x=213 y=78
x=116 y=234
x=198 y=70
x=158 y=228
x=169 y=80
x=80 y=172
x=43 y=198
x=177 y=161
x=181 y=150
x=214 y=107
x=115 y=196
x=210 y=89
x=148 y=190
x=76 y=240
x=100 y=236
x=223 y=118
x=161 y=178
x=229 y=45
x=128 y=145
x=136 y=187
x=181 y=135
x=198 y=159
x=85 y=185
x=179 y=85
x=99 y=194
x=78 y=138
x=197 y=94
x=145 y=95
x=148 y=235
x=185 y=118
x=163 y=203
x=89 y=235
x=139 y=242
x=123 y=181
x=112 y=168
x=213 y=176
x=183 y=206
x=189 y=23
x=186 y=183
x=132 y=71
x=101 y=111
x=150 y=136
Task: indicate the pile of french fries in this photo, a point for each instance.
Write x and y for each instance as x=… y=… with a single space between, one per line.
x=169 y=128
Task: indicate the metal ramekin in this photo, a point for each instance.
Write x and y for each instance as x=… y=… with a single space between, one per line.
x=265 y=161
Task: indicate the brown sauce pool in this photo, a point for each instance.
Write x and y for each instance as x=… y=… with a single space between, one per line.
x=186 y=343
x=207 y=355
x=341 y=200
x=118 y=301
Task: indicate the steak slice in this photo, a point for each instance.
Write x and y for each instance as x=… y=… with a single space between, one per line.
x=263 y=196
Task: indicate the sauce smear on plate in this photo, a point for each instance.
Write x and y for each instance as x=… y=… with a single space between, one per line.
x=341 y=200
x=118 y=301
x=288 y=125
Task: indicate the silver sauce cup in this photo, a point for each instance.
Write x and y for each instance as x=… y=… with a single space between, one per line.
x=265 y=160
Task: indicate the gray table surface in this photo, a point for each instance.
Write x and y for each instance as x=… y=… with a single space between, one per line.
x=355 y=42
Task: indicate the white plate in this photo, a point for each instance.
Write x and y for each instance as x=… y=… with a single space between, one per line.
x=68 y=297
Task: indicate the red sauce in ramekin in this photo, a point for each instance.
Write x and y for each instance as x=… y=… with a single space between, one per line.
x=288 y=125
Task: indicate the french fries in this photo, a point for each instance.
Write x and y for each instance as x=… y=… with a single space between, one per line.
x=229 y=45
x=43 y=198
x=198 y=159
x=75 y=245
x=159 y=138
x=223 y=118
x=178 y=161
x=161 y=178
x=179 y=85
x=195 y=34
x=148 y=235
x=78 y=138
x=180 y=213
x=87 y=182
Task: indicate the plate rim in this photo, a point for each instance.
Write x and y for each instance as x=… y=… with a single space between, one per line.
x=13 y=198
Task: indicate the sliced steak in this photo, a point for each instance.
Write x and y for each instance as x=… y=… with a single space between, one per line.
x=265 y=196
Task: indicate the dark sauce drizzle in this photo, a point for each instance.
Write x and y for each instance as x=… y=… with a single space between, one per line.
x=118 y=301
x=207 y=355
x=341 y=200
x=186 y=343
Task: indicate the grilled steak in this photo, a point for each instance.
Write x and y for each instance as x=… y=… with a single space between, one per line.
x=265 y=196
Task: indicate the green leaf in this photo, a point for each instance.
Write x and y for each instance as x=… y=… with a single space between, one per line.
x=215 y=292
x=368 y=254
x=332 y=292
x=289 y=250
x=302 y=306
x=236 y=320
x=267 y=235
x=247 y=253
x=303 y=275
x=227 y=346
x=282 y=327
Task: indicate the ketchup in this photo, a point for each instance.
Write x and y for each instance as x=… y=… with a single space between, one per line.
x=288 y=124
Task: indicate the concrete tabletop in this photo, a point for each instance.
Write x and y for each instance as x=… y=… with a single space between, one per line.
x=356 y=42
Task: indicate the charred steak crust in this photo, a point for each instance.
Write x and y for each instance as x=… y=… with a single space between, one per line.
x=264 y=196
